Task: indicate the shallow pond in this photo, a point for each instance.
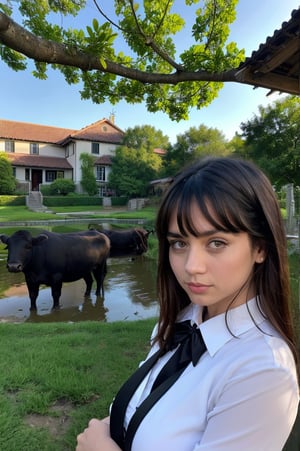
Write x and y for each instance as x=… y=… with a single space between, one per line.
x=129 y=294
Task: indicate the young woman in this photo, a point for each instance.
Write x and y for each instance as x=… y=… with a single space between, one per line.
x=222 y=276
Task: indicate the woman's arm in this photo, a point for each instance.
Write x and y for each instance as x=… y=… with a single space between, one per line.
x=253 y=413
x=96 y=437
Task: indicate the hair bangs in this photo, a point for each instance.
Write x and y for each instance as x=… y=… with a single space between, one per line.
x=217 y=207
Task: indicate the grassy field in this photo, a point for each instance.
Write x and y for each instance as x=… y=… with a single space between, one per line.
x=55 y=377
x=21 y=213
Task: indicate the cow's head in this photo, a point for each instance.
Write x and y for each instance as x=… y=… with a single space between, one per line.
x=141 y=240
x=19 y=246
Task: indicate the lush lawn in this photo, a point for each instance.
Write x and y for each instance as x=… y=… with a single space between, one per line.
x=55 y=377
x=21 y=213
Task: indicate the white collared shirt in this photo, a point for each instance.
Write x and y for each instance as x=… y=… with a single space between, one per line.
x=242 y=395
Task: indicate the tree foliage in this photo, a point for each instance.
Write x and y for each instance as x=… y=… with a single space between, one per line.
x=88 y=179
x=135 y=163
x=151 y=71
x=7 y=179
x=130 y=174
x=272 y=140
x=194 y=143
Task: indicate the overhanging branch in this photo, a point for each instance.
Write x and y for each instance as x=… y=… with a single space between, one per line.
x=42 y=50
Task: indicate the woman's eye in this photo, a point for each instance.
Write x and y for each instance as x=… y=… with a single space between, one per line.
x=177 y=244
x=216 y=244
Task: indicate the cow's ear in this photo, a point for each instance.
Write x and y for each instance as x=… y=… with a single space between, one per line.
x=4 y=238
x=39 y=239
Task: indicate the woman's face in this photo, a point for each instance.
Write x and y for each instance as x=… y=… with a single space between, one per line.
x=215 y=267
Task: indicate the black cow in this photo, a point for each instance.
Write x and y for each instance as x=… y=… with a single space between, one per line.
x=53 y=258
x=125 y=243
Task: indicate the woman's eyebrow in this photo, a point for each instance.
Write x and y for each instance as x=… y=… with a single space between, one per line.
x=200 y=234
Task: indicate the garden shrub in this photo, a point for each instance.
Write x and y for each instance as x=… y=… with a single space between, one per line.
x=62 y=187
x=12 y=200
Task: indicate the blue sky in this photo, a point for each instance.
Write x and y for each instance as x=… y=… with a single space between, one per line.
x=53 y=102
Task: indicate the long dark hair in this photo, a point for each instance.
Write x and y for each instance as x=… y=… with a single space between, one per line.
x=234 y=196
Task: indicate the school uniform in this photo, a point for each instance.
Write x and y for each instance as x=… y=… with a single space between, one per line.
x=242 y=395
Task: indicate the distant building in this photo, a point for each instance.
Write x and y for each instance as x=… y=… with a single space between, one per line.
x=40 y=154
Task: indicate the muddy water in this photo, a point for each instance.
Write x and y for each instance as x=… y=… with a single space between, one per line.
x=129 y=294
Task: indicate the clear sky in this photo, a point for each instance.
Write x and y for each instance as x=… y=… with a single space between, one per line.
x=53 y=102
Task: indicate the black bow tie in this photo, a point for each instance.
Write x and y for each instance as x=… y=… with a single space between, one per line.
x=191 y=342
x=191 y=346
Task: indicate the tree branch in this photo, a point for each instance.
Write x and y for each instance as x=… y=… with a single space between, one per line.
x=42 y=50
x=150 y=42
x=106 y=17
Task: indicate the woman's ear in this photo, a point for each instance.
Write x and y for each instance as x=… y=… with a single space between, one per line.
x=260 y=253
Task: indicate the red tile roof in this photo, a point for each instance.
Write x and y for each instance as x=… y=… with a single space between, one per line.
x=23 y=131
x=100 y=131
x=38 y=161
x=104 y=159
x=159 y=151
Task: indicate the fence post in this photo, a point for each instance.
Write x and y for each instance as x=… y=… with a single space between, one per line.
x=290 y=209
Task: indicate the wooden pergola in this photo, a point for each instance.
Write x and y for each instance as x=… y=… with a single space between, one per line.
x=276 y=64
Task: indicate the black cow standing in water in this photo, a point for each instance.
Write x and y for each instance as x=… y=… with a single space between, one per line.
x=53 y=258
x=125 y=243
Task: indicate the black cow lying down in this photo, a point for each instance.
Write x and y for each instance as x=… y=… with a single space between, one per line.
x=53 y=258
x=125 y=243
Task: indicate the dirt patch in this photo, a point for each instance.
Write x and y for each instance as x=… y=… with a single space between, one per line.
x=57 y=422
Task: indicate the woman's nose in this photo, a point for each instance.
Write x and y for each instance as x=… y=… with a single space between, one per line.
x=195 y=261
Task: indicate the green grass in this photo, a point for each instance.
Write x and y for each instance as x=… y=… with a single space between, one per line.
x=77 y=367
x=21 y=213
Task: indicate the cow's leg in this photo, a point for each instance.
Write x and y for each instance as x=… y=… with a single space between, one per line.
x=89 y=282
x=33 y=294
x=33 y=291
x=56 y=293
x=99 y=273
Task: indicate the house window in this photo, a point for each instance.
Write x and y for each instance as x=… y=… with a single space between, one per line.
x=101 y=192
x=53 y=175
x=9 y=146
x=27 y=174
x=95 y=148
x=14 y=171
x=34 y=148
x=50 y=176
x=100 y=173
x=70 y=150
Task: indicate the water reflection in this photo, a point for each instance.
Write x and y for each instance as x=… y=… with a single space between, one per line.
x=130 y=294
x=130 y=287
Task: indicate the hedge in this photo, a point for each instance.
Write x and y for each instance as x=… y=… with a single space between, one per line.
x=63 y=201
x=66 y=201
x=12 y=200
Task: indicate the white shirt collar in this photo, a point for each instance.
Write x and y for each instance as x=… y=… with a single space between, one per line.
x=218 y=330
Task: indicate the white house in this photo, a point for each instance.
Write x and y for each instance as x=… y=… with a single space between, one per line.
x=39 y=154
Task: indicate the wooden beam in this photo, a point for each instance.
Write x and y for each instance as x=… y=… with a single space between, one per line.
x=270 y=81
x=283 y=53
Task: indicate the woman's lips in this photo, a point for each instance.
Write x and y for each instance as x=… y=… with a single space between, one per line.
x=198 y=288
